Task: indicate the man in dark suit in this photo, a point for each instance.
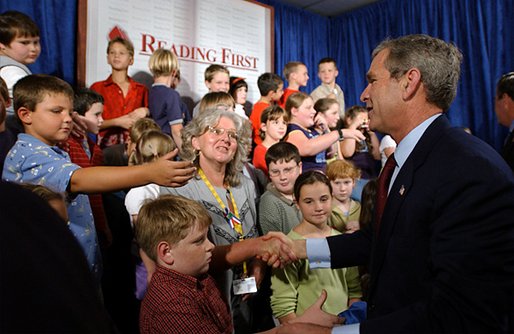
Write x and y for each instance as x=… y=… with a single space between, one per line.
x=441 y=258
x=504 y=107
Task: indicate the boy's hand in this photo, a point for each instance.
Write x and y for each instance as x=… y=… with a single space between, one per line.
x=276 y=250
x=125 y=121
x=138 y=113
x=79 y=127
x=169 y=173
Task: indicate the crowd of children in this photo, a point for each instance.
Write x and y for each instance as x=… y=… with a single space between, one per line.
x=135 y=140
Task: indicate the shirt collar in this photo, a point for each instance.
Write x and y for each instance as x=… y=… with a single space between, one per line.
x=109 y=81
x=405 y=147
x=160 y=84
x=187 y=280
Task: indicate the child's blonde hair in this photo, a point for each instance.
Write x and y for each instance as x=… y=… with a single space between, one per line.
x=151 y=146
x=141 y=126
x=163 y=63
x=341 y=169
x=213 y=69
x=291 y=67
x=168 y=218
x=216 y=100
x=295 y=100
x=322 y=105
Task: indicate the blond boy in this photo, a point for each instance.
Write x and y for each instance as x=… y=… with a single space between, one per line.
x=181 y=297
x=297 y=76
x=163 y=101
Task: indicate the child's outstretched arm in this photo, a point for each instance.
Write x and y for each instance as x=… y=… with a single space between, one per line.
x=164 y=171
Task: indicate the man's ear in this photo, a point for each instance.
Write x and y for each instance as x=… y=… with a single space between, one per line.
x=411 y=82
x=164 y=253
x=263 y=127
x=25 y=115
x=300 y=165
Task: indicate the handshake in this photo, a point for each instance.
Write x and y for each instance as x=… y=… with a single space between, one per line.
x=277 y=250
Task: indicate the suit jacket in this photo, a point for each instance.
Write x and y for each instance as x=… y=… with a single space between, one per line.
x=508 y=150
x=443 y=260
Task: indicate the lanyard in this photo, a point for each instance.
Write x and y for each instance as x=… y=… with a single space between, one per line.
x=231 y=217
x=232 y=214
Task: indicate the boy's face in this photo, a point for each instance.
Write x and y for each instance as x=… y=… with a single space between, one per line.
x=276 y=128
x=51 y=120
x=119 y=57
x=278 y=93
x=327 y=73
x=301 y=75
x=25 y=50
x=220 y=83
x=284 y=174
x=94 y=117
x=191 y=255
x=342 y=188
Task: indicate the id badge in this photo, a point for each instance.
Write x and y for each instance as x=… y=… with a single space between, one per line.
x=244 y=286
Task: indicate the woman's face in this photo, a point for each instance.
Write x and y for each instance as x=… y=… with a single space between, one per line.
x=218 y=144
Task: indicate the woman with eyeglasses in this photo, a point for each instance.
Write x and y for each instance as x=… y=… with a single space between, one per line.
x=217 y=141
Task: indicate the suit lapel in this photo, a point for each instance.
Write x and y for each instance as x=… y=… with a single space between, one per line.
x=401 y=190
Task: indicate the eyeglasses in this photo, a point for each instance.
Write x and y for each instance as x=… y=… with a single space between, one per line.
x=220 y=132
x=286 y=171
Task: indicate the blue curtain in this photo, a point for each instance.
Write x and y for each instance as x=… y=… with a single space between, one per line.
x=57 y=22
x=300 y=36
x=482 y=29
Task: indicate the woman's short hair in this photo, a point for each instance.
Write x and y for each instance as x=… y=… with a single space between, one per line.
x=211 y=117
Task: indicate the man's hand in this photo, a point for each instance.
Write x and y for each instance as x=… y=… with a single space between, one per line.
x=169 y=173
x=276 y=250
x=315 y=315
